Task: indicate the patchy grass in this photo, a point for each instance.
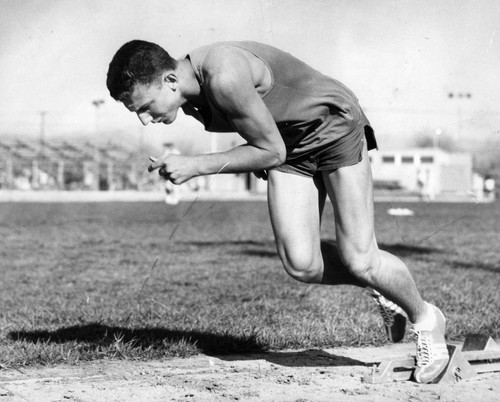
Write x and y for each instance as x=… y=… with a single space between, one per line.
x=148 y=281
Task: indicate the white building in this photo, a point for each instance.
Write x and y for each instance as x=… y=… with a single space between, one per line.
x=429 y=171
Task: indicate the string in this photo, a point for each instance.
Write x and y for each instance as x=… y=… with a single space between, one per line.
x=439 y=230
x=174 y=230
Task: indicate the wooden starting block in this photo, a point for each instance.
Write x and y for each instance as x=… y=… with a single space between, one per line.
x=479 y=354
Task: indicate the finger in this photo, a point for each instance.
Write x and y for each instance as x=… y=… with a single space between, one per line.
x=261 y=174
x=156 y=165
x=163 y=173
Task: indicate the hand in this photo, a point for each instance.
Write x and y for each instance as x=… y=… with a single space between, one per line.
x=261 y=174
x=176 y=168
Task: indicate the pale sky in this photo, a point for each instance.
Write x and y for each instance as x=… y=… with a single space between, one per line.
x=401 y=58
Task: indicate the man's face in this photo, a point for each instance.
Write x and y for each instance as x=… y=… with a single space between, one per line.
x=157 y=102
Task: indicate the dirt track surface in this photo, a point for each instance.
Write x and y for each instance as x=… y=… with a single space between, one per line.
x=313 y=375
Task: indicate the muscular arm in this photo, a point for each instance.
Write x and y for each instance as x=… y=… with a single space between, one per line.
x=230 y=84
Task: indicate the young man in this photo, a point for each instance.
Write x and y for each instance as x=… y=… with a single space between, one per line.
x=307 y=135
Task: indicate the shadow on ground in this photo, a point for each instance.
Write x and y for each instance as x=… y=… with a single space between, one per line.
x=268 y=249
x=408 y=250
x=482 y=266
x=223 y=346
x=97 y=335
x=305 y=358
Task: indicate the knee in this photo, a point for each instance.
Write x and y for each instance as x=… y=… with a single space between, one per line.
x=362 y=264
x=302 y=267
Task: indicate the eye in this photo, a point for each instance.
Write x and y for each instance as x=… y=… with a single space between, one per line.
x=144 y=108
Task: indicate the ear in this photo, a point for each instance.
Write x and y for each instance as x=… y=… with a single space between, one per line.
x=170 y=79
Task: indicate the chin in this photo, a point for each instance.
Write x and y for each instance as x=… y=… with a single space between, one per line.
x=169 y=119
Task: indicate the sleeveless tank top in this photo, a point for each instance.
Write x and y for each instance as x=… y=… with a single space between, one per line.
x=310 y=109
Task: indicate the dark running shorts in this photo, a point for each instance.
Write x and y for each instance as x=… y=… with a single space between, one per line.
x=346 y=151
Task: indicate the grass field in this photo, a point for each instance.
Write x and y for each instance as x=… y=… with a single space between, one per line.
x=148 y=281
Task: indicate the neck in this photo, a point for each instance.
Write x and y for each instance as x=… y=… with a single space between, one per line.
x=191 y=88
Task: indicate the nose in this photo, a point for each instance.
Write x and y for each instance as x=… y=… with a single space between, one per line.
x=145 y=118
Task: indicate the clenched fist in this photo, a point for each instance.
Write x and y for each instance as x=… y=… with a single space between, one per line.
x=176 y=168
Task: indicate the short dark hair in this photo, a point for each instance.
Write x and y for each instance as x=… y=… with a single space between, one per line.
x=136 y=62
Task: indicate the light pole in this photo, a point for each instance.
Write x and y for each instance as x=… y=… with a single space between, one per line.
x=459 y=96
x=437 y=133
x=97 y=157
x=97 y=104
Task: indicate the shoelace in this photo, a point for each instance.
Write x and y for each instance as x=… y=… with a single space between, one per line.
x=387 y=314
x=387 y=308
x=424 y=349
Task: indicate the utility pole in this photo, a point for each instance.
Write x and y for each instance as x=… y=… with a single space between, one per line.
x=97 y=157
x=35 y=164
x=459 y=96
x=43 y=113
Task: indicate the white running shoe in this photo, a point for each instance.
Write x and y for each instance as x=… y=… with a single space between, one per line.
x=432 y=352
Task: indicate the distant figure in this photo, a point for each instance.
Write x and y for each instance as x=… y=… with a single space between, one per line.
x=429 y=190
x=172 y=196
x=425 y=185
x=23 y=182
x=421 y=183
x=307 y=135
x=489 y=188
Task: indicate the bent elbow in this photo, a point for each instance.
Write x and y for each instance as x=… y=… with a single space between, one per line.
x=281 y=157
x=278 y=157
x=282 y=154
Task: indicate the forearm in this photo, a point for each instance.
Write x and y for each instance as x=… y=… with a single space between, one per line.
x=244 y=158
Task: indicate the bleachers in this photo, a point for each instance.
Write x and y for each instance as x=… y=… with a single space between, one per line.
x=76 y=164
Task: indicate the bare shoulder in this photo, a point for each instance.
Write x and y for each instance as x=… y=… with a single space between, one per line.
x=230 y=62
x=223 y=59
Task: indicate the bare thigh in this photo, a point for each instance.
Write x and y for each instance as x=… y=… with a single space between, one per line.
x=351 y=192
x=295 y=206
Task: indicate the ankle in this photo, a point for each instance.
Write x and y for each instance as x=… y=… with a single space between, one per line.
x=426 y=320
